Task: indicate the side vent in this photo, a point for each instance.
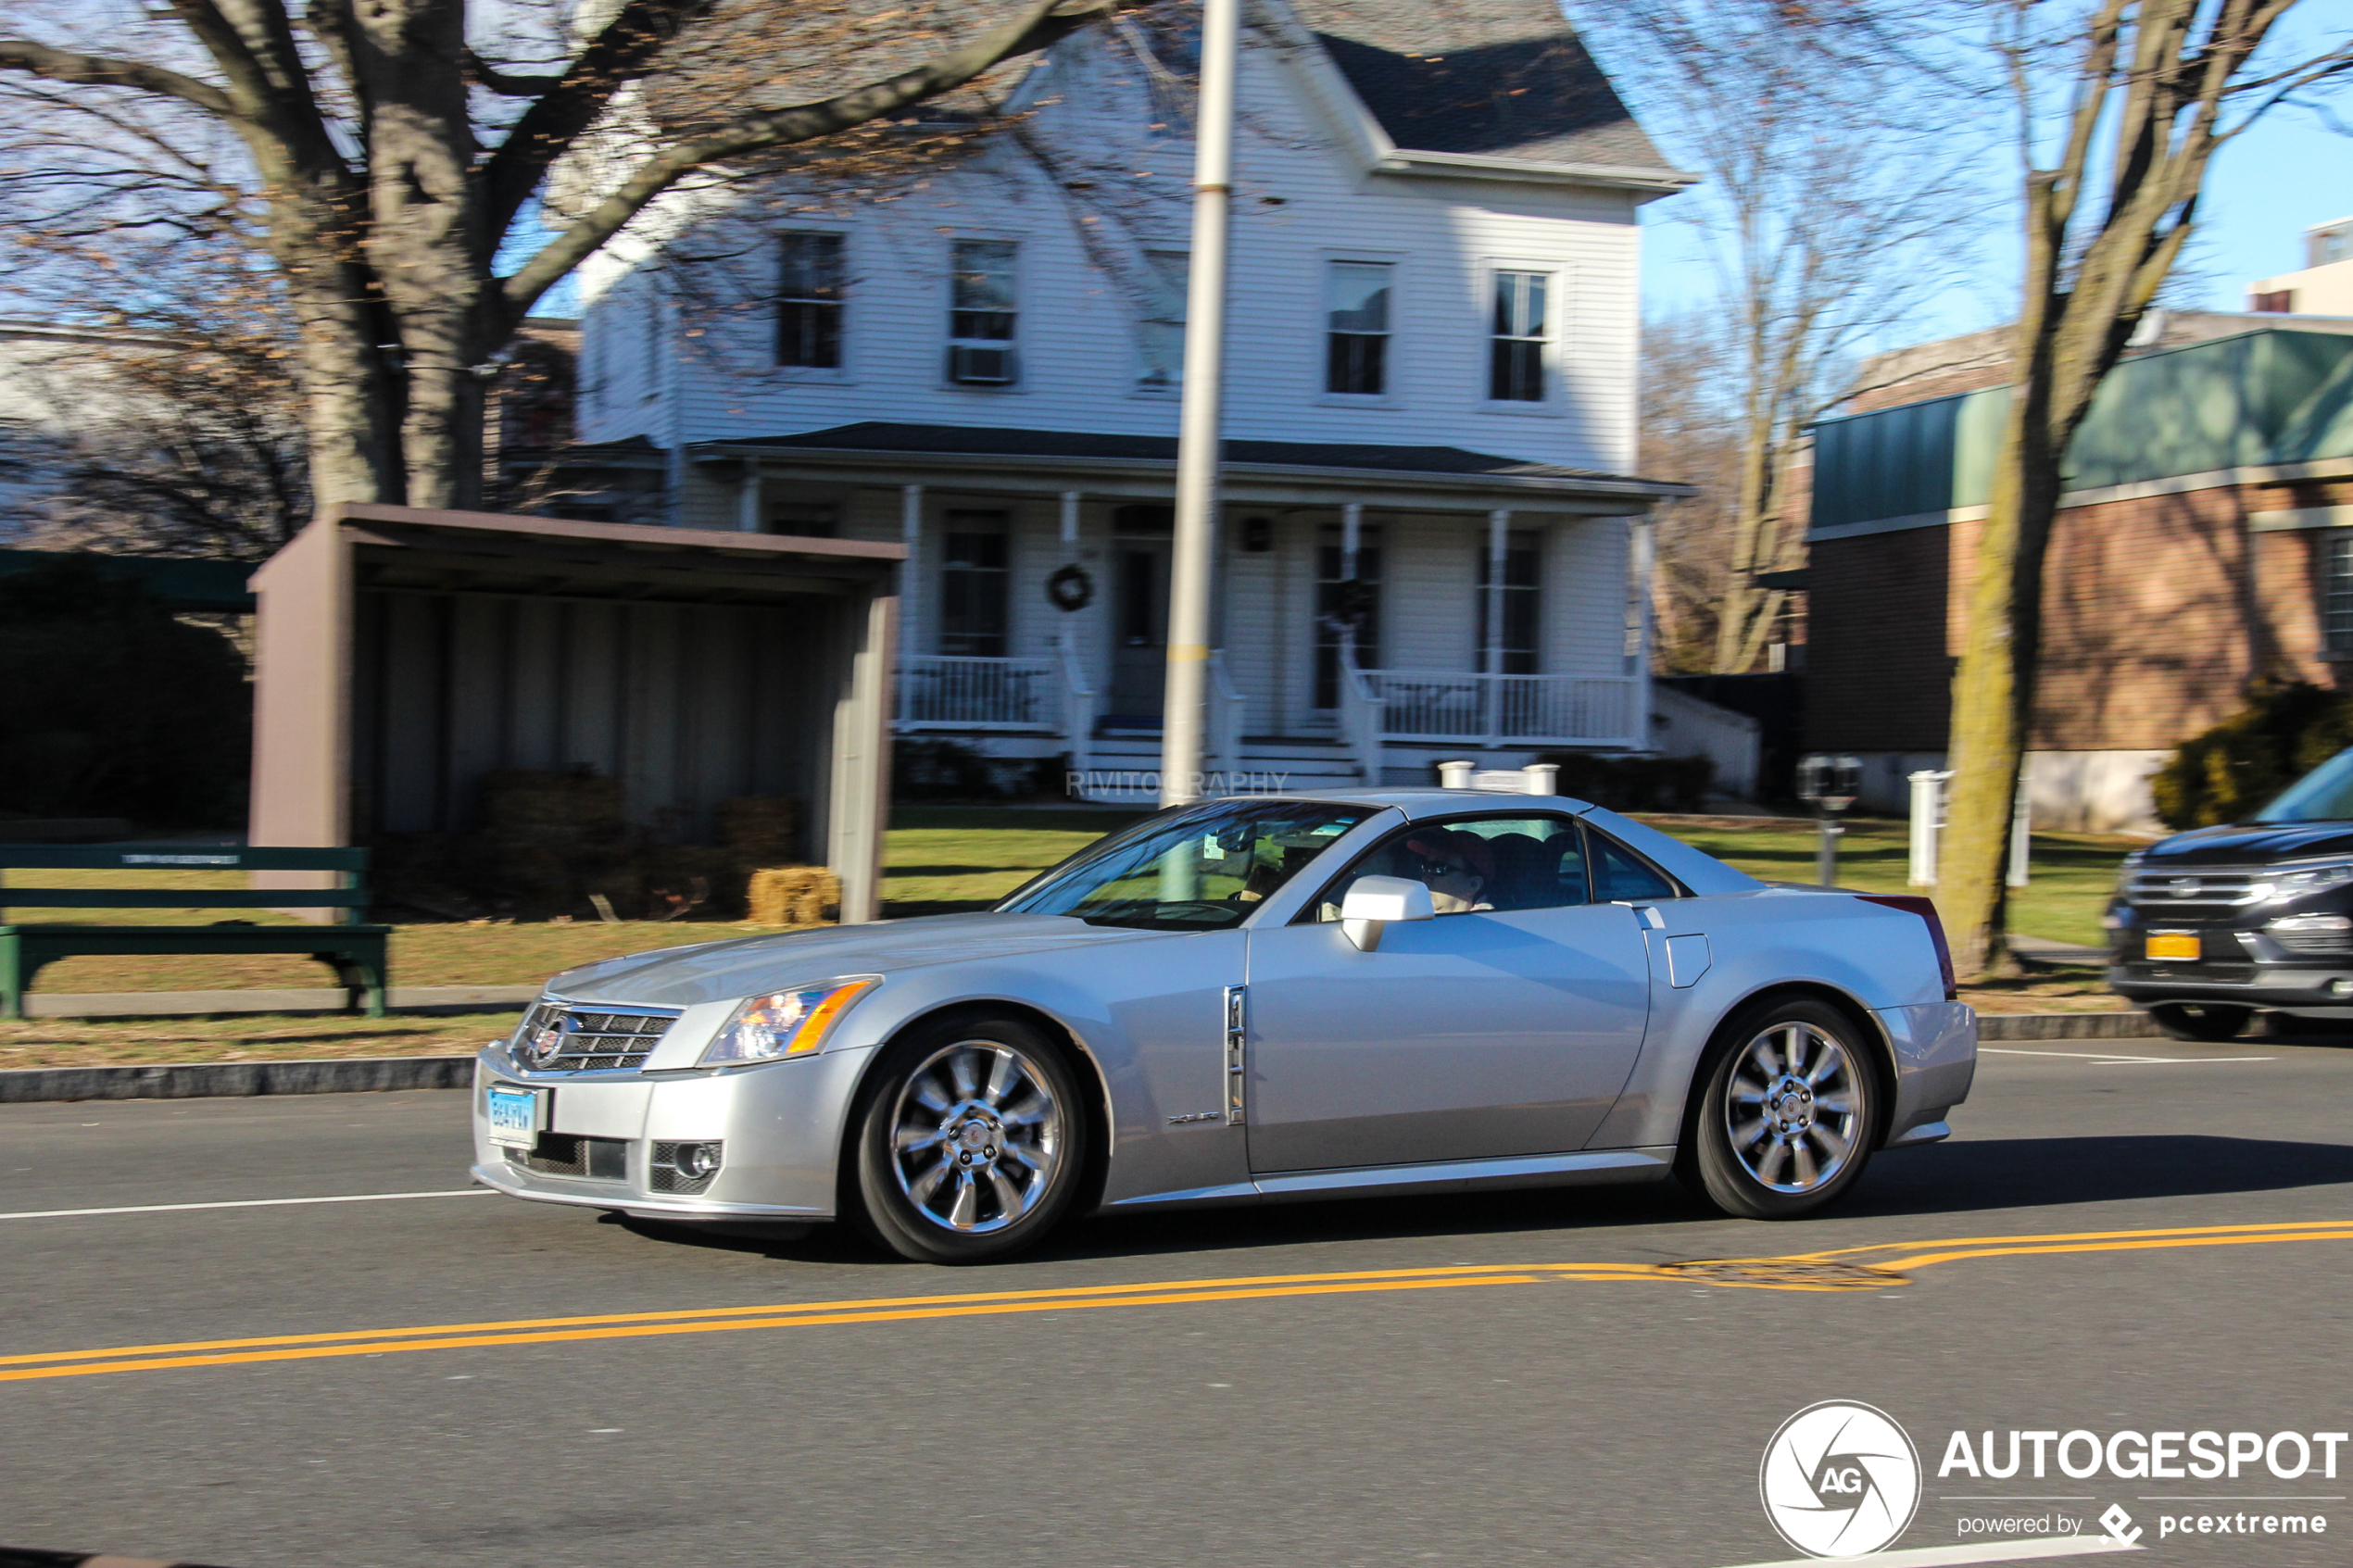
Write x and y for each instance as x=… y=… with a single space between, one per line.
x=969 y=365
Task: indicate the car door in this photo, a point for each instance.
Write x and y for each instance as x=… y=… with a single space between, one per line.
x=1506 y=1027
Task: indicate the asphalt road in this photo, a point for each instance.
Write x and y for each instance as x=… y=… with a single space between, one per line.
x=1562 y=1400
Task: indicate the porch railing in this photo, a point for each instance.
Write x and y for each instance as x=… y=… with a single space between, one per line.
x=1226 y=708
x=1506 y=710
x=982 y=694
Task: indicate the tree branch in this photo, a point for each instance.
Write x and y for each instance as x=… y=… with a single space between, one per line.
x=1036 y=29
x=484 y=74
x=99 y=70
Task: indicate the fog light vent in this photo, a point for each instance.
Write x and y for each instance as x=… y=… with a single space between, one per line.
x=684 y=1167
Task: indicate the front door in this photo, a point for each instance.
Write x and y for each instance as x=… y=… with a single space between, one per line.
x=1139 y=617
x=1506 y=1027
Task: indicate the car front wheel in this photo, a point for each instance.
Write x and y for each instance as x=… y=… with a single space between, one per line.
x=1788 y=1107
x=970 y=1141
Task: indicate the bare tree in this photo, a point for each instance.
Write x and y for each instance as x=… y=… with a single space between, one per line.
x=1689 y=434
x=2147 y=91
x=378 y=155
x=1831 y=205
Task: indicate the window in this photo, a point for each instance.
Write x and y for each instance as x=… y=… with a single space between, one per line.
x=1356 y=354
x=1161 y=342
x=1206 y=869
x=972 y=586
x=1619 y=872
x=981 y=314
x=2336 y=590
x=1488 y=863
x=809 y=303
x=1337 y=598
x=1516 y=361
x=1523 y=601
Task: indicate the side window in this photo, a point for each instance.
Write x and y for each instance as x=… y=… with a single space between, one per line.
x=1487 y=863
x=1619 y=872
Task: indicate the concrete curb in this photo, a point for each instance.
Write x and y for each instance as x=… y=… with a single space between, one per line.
x=343 y=1075
x=199 y=1080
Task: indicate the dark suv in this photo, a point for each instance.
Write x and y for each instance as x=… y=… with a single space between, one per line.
x=2209 y=925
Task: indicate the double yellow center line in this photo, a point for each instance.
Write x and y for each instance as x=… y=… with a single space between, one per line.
x=1876 y=1267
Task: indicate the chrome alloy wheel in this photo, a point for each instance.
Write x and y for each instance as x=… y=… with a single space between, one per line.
x=976 y=1136
x=1793 y=1107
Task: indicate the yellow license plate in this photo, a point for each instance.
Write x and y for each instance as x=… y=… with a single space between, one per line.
x=2174 y=945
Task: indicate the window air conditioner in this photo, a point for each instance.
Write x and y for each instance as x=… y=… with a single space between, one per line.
x=980 y=366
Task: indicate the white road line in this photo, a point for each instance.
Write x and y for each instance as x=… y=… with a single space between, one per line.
x=1987 y=1552
x=2120 y=1058
x=243 y=1203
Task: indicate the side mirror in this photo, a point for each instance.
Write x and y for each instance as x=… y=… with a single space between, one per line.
x=1374 y=901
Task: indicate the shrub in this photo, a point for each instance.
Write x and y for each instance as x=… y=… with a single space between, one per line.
x=2225 y=774
x=1635 y=784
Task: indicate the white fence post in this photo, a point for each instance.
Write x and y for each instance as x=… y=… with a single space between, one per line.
x=1928 y=821
x=2021 y=830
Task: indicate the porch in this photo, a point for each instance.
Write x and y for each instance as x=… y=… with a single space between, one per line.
x=1376 y=610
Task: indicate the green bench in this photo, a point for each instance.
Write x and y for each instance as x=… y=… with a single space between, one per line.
x=356 y=952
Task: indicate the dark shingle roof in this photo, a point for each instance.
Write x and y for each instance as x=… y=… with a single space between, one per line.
x=879 y=436
x=1489 y=78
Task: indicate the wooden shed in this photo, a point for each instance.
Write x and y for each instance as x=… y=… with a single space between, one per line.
x=402 y=653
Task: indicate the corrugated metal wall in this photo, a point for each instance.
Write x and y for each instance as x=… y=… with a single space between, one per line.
x=687 y=703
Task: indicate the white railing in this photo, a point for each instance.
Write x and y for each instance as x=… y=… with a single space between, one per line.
x=1506 y=710
x=1360 y=713
x=981 y=694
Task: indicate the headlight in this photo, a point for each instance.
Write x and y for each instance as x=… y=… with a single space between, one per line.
x=2303 y=880
x=785 y=1022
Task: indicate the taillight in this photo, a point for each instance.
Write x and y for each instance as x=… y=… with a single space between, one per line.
x=1925 y=909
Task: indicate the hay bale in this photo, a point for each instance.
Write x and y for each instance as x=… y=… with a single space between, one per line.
x=794 y=896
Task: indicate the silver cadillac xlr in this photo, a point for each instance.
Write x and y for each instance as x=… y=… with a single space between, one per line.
x=1288 y=996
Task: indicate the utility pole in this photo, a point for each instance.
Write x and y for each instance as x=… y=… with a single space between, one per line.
x=1197 y=440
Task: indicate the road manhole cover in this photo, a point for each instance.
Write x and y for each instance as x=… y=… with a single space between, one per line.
x=1787 y=1273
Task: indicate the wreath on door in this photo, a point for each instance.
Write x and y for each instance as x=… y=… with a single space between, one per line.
x=1070 y=588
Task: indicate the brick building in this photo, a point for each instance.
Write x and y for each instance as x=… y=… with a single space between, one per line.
x=2205 y=540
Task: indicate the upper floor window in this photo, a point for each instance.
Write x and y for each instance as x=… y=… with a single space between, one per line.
x=972 y=600
x=2336 y=590
x=1161 y=341
x=1356 y=344
x=982 y=314
x=809 y=303
x=1515 y=359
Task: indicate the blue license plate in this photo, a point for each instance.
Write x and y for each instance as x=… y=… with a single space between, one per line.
x=515 y=1117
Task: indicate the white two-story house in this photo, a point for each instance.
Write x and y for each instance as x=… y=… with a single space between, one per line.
x=1431 y=538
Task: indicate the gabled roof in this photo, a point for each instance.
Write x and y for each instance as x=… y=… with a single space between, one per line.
x=1483 y=79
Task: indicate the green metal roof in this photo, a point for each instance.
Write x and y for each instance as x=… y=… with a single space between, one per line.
x=2266 y=397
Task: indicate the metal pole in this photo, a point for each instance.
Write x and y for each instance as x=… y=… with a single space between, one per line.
x=2021 y=830
x=1181 y=718
x=1826 y=858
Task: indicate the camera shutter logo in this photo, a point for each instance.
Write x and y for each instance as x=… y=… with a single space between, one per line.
x=1839 y=1480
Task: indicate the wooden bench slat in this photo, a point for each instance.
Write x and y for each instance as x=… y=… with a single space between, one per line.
x=183 y=898
x=178 y=856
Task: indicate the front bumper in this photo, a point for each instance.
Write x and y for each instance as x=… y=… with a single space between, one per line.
x=780 y=1123
x=2302 y=987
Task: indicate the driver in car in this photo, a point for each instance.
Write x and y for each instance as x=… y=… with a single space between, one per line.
x=1457 y=867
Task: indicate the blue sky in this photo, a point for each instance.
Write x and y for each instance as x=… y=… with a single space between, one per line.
x=2283 y=176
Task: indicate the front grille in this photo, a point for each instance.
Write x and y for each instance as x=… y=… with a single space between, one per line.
x=559 y=1036
x=2336 y=942
x=566 y=1154
x=2181 y=893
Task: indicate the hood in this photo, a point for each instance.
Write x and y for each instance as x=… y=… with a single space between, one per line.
x=2236 y=843
x=715 y=971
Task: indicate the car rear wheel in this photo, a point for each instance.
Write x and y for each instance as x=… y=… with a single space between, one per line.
x=1788 y=1110
x=970 y=1142
x=2201 y=1021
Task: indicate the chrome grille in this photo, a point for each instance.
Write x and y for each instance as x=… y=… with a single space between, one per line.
x=558 y=1036
x=2312 y=941
x=2215 y=887
x=562 y=1154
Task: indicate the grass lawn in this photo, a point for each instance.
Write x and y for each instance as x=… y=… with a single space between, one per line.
x=936 y=859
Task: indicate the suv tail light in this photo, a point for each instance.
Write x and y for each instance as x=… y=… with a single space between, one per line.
x=1915 y=904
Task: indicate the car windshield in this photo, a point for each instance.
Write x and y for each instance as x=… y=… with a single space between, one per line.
x=1199 y=868
x=2325 y=794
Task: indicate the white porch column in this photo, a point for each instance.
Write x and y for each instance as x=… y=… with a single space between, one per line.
x=1070 y=525
x=1499 y=538
x=910 y=581
x=1645 y=558
x=748 y=500
x=1351 y=531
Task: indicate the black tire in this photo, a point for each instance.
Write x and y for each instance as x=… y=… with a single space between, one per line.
x=1826 y=1128
x=2201 y=1021
x=998 y=1103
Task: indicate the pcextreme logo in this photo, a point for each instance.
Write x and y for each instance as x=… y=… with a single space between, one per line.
x=1840 y=1479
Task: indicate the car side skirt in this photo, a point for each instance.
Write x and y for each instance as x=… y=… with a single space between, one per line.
x=1588 y=1167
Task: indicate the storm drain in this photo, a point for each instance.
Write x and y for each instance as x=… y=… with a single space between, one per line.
x=1786 y=1273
